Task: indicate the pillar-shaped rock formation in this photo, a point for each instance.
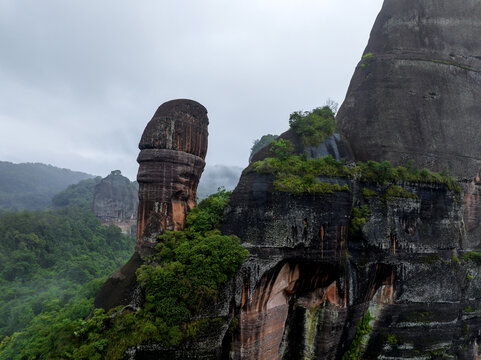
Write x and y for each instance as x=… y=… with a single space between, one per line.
x=416 y=94
x=173 y=148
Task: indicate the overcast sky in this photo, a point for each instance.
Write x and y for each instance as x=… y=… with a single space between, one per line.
x=80 y=79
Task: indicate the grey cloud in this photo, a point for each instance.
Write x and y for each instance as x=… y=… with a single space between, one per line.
x=81 y=78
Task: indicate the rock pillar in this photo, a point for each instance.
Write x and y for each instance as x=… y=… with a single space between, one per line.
x=172 y=152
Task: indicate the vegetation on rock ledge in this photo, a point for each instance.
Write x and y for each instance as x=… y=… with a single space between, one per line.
x=296 y=174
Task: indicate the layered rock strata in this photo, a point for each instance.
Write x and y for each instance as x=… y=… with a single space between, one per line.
x=309 y=279
x=415 y=94
x=116 y=201
x=171 y=160
x=172 y=152
x=413 y=271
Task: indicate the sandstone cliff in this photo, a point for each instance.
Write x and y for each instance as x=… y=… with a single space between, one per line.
x=172 y=151
x=403 y=279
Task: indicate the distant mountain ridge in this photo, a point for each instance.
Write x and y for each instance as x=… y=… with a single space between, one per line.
x=31 y=186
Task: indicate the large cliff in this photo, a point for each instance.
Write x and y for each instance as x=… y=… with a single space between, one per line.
x=172 y=152
x=416 y=91
x=370 y=261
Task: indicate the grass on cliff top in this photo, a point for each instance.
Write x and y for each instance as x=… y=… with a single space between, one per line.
x=184 y=275
x=296 y=174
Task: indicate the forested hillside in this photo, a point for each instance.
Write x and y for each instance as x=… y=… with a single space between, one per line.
x=32 y=185
x=80 y=194
x=49 y=260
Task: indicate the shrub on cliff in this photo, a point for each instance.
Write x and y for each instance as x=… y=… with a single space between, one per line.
x=313 y=126
x=189 y=267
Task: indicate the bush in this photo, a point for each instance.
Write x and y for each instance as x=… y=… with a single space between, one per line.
x=368 y=193
x=395 y=191
x=313 y=126
x=358 y=218
x=295 y=173
x=281 y=149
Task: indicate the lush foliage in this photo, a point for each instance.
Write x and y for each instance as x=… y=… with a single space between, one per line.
x=189 y=267
x=395 y=191
x=261 y=143
x=32 y=186
x=52 y=265
x=367 y=193
x=80 y=194
x=48 y=331
x=48 y=255
x=313 y=126
x=358 y=218
x=362 y=330
x=384 y=172
x=281 y=149
x=306 y=184
x=297 y=174
x=184 y=274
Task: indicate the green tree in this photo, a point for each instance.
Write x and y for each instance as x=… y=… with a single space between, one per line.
x=313 y=126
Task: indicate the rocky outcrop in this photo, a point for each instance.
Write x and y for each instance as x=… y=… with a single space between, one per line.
x=115 y=202
x=173 y=148
x=415 y=93
x=408 y=284
x=172 y=151
x=309 y=279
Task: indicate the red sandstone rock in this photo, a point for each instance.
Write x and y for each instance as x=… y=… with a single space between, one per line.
x=173 y=148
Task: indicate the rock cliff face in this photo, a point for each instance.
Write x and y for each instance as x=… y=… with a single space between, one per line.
x=406 y=286
x=309 y=280
x=416 y=92
x=115 y=202
x=172 y=152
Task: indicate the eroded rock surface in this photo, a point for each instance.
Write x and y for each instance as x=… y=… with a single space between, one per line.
x=415 y=266
x=173 y=148
x=171 y=160
x=415 y=95
x=309 y=280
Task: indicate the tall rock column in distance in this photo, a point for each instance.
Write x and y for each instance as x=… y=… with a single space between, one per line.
x=172 y=152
